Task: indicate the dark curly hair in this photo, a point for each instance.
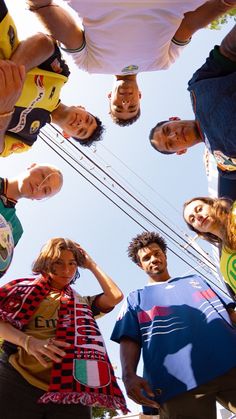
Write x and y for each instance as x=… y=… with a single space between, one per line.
x=96 y=135
x=142 y=240
x=125 y=122
x=159 y=124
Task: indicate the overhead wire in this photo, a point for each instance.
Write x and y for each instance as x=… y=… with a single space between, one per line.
x=46 y=137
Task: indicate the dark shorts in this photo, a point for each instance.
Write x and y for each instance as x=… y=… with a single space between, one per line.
x=18 y=399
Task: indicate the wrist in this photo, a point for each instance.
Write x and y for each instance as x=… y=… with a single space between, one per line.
x=26 y=343
x=7 y=114
x=227 y=4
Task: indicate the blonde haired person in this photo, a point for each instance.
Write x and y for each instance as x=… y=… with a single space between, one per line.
x=53 y=350
x=38 y=181
x=214 y=219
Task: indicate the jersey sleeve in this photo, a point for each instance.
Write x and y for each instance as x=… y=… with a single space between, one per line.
x=13 y=145
x=127 y=324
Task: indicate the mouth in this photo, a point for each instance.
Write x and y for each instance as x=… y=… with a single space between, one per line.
x=204 y=220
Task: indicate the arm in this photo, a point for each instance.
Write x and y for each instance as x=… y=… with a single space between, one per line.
x=12 y=78
x=33 y=346
x=33 y=51
x=201 y=17
x=112 y=295
x=129 y=356
x=58 y=22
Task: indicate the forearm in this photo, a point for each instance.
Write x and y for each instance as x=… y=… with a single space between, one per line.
x=129 y=357
x=59 y=23
x=4 y=122
x=112 y=294
x=11 y=334
x=200 y=18
x=33 y=51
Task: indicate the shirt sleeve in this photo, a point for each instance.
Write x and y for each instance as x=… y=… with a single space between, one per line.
x=127 y=324
x=13 y=145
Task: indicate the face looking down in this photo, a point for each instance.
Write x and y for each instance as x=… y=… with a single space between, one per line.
x=40 y=182
x=124 y=99
x=152 y=260
x=79 y=123
x=200 y=216
x=175 y=136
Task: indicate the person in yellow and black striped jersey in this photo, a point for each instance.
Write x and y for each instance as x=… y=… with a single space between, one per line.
x=32 y=74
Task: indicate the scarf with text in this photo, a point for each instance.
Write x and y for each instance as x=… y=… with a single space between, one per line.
x=85 y=375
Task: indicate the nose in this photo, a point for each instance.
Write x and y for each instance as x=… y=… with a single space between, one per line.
x=125 y=103
x=153 y=258
x=199 y=217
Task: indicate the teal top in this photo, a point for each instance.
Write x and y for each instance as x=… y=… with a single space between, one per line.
x=8 y=211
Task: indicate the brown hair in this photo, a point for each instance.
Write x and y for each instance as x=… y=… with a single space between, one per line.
x=51 y=251
x=222 y=208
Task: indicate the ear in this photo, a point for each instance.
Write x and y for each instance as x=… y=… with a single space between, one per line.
x=109 y=95
x=139 y=264
x=81 y=107
x=65 y=135
x=32 y=165
x=181 y=151
x=174 y=118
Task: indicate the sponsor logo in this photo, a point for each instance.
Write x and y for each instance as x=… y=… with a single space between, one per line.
x=231 y=270
x=130 y=69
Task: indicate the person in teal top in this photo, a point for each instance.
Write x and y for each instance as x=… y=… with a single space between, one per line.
x=215 y=221
x=36 y=182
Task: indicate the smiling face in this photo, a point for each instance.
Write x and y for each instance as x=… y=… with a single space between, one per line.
x=200 y=216
x=39 y=182
x=175 y=136
x=63 y=269
x=153 y=261
x=78 y=123
x=124 y=99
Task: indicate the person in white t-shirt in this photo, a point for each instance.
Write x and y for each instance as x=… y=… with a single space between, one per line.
x=126 y=38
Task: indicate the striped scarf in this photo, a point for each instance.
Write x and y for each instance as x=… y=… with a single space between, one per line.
x=85 y=375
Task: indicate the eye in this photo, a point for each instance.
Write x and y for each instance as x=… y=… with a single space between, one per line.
x=58 y=262
x=199 y=208
x=73 y=263
x=166 y=130
x=191 y=219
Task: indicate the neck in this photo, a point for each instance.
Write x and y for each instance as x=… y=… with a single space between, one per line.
x=158 y=277
x=59 y=114
x=13 y=189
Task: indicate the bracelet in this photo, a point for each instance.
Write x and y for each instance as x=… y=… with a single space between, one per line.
x=3 y=115
x=26 y=343
x=225 y=3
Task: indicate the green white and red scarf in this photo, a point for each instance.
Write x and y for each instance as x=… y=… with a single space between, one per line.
x=85 y=375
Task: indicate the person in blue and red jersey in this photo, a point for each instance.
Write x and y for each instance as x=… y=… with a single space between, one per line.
x=185 y=331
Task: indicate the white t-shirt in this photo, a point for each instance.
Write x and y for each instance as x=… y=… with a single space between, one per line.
x=128 y=37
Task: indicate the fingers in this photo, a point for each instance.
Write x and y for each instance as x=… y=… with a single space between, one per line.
x=52 y=349
x=12 y=79
x=47 y=350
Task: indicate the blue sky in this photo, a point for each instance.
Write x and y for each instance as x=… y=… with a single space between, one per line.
x=80 y=212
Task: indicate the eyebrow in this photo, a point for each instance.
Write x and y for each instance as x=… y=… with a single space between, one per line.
x=131 y=109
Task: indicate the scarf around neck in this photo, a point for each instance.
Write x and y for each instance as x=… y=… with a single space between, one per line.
x=85 y=375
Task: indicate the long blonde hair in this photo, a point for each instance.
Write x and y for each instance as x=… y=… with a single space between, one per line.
x=222 y=208
x=50 y=253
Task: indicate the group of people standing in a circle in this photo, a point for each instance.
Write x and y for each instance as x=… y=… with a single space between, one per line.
x=54 y=362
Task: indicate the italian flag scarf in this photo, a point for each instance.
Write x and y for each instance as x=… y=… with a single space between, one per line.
x=85 y=375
